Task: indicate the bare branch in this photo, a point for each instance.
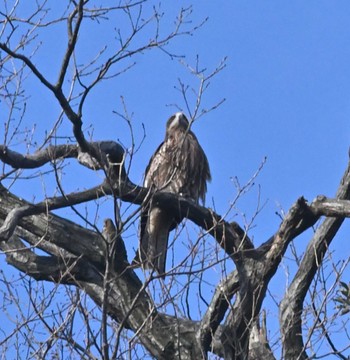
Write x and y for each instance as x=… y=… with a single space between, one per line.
x=292 y=303
x=50 y=268
x=323 y=206
x=229 y=236
x=61 y=232
x=217 y=310
x=38 y=159
x=31 y=66
x=72 y=40
x=96 y=261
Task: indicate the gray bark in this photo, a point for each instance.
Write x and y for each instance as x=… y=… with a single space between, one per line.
x=80 y=257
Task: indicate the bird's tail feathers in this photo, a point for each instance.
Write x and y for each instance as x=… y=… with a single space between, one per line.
x=154 y=242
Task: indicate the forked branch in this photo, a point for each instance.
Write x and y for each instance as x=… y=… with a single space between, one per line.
x=292 y=304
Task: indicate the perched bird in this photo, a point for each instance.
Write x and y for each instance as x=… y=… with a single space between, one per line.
x=178 y=166
x=115 y=245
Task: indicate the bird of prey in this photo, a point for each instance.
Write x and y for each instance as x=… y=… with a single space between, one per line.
x=178 y=166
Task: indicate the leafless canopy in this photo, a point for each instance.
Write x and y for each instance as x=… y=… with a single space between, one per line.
x=92 y=259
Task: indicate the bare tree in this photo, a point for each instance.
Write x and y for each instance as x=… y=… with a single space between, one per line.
x=84 y=298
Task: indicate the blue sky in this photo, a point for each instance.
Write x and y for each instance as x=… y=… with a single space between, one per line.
x=286 y=87
x=287 y=91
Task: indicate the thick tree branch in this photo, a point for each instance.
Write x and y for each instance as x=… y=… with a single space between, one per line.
x=216 y=311
x=63 y=233
x=38 y=159
x=229 y=236
x=124 y=190
x=117 y=180
x=292 y=304
x=65 y=270
x=323 y=206
x=16 y=214
x=255 y=266
x=112 y=152
x=39 y=242
x=127 y=303
x=298 y=219
x=259 y=347
x=72 y=40
x=81 y=242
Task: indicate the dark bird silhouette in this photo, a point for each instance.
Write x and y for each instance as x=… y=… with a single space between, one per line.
x=178 y=166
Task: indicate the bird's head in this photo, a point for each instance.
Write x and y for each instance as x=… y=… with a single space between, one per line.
x=177 y=121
